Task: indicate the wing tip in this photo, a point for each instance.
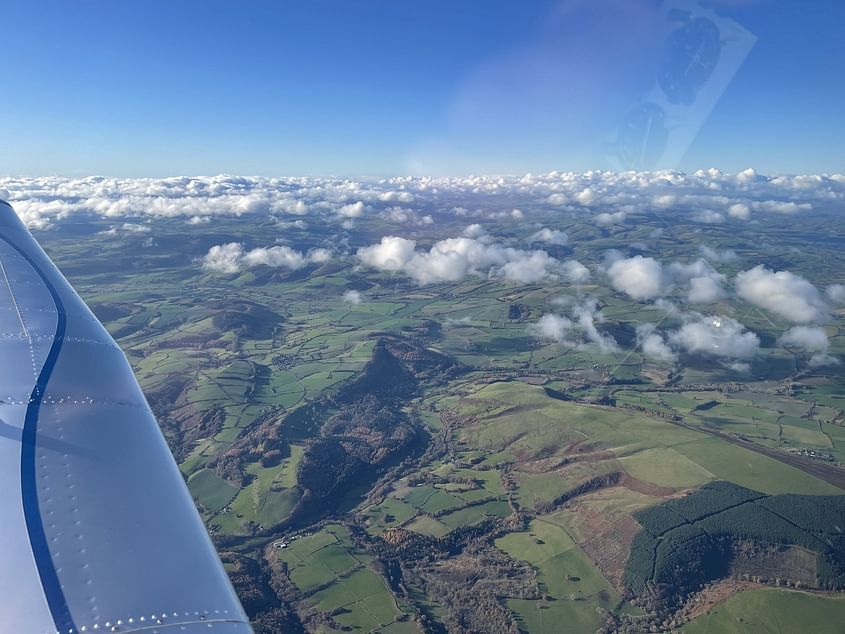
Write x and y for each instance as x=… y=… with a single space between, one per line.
x=3 y=202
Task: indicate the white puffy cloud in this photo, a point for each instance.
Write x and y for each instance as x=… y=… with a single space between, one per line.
x=575 y=272
x=352 y=210
x=224 y=258
x=586 y=196
x=812 y=340
x=127 y=228
x=638 y=277
x=781 y=206
x=720 y=257
x=704 y=290
x=550 y=236
x=653 y=345
x=740 y=211
x=391 y=254
x=528 y=267
x=708 y=216
x=453 y=259
x=783 y=293
x=606 y=218
x=836 y=293
x=352 y=297
x=232 y=258
x=587 y=314
x=474 y=231
x=705 y=283
x=716 y=336
x=42 y=201
x=551 y=327
x=806 y=338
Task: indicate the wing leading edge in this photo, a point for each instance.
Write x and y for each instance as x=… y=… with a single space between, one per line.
x=99 y=531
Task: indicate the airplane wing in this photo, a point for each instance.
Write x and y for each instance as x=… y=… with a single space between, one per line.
x=98 y=532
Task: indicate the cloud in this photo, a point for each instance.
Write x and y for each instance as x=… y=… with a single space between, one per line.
x=43 y=201
x=127 y=228
x=811 y=340
x=705 y=290
x=720 y=257
x=550 y=236
x=740 y=211
x=527 y=267
x=638 y=277
x=352 y=210
x=605 y=218
x=836 y=293
x=587 y=314
x=653 y=345
x=352 y=297
x=453 y=259
x=783 y=293
x=715 y=336
x=705 y=282
x=575 y=272
x=391 y=254
x=551 y=327
x=708 y=216
x=586 y=196
x=232 y=258
x=474 y=231
x=806 y=338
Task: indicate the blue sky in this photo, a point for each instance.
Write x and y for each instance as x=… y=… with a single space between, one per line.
x=386 y=87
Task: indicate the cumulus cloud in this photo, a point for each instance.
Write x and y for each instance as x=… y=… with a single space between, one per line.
x=126 y=228
x=232 y=258
x=704 y=290
x=740 y=211
x=453 y=259
x=715 y=336
x=352 y=210
x=720 y=257
x=653 y=345
x=551 y=327
x=352 y=297
x=708 y=216
x=575 y=272
x=836 y=293
x=705 y=283
x=638 y=277
x=586 y=196
x=587 y=314
x=807 y=338
x=811 y=340
x=783 y=293
x=606 y=218
x=43 y=201
x=391 y=254
x=474 y=231
x=550 y=236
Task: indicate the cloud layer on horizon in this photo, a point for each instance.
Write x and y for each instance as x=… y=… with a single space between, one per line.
x=609 y=197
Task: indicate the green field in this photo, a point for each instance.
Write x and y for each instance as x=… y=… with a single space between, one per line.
x=767 y=610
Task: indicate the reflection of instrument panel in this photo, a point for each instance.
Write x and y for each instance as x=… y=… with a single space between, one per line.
x=642 y=136
x=700 y=56
x=690 y=57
